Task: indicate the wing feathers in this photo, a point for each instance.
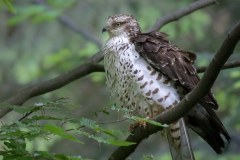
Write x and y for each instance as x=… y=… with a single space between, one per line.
x=171 y=61
x=178 y=66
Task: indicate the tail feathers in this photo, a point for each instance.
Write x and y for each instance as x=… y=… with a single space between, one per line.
x=180 y=150
x=205 y=123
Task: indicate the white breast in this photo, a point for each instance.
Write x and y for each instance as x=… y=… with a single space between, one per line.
x=135 y=84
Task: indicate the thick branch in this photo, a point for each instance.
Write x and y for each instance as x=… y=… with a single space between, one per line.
x=181 y=13
x=190 y=100
x=77 y=73
x=50 y=85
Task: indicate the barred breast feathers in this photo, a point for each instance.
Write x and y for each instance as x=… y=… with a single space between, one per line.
x=126 y=69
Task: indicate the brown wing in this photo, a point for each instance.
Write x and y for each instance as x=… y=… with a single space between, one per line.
x=171 y=61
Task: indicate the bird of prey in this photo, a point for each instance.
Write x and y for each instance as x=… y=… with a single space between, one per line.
x=148 y=75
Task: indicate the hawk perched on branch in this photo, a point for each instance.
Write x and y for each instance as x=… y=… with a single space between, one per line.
x=148 y=75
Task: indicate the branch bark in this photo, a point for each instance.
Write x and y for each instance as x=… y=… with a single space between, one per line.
x=181 y=13
x=50 y=85
x=189 y=101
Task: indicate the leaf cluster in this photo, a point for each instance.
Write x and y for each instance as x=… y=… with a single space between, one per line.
x=39 y=121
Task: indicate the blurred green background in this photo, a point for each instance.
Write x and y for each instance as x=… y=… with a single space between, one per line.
x=36 y=46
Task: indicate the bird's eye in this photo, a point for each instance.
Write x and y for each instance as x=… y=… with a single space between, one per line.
x=118 y=24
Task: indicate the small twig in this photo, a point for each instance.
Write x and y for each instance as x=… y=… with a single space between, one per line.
x=73 y=129
x=116 y=121
x=65 y=21
x=25 y=116
x=228 y=65
x=86 y=34
x=181 y=13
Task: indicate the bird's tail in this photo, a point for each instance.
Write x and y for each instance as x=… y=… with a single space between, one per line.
x=178 y=140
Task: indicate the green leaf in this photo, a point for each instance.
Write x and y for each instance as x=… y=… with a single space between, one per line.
x=109 y=132
x=37 y=118
x=106 y=141
x=19 y=145
x=60 y=132
x=85 y=122
x=46 y=16
x=26 y=109
x=140 y=119
x=93 y=125
x=26 y=12
x=9 y=6
x=120 y=143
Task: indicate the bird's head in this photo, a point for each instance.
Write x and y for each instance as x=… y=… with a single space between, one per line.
x=121 y=24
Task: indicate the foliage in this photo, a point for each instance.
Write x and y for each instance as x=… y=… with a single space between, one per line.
x=9 y=5
x=39 y=121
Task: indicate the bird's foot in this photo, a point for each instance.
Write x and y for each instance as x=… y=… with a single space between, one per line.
x=142 y=123
x=133 y=126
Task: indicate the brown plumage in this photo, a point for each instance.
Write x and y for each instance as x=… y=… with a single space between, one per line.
x=178 y=65
x=173 y=62
x=148 y=75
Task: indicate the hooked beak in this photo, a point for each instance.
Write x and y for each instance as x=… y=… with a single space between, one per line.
x=104 y=30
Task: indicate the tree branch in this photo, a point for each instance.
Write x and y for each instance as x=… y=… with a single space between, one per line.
x=189 y=101
x=65 y=21
x=181 y=13
x=72 y=26
x=77 y=73
x=228 y=65
x=50 y=85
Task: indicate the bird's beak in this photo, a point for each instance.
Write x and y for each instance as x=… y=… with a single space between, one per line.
x=104 y=30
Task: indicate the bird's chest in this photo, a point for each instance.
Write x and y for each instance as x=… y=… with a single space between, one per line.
x=121 y=78
x=136 y=85
x=118 y=64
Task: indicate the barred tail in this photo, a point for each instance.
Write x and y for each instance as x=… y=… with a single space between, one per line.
x=178 y=140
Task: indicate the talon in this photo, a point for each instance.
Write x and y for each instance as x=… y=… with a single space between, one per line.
x=133 y=126
x=143 y=124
